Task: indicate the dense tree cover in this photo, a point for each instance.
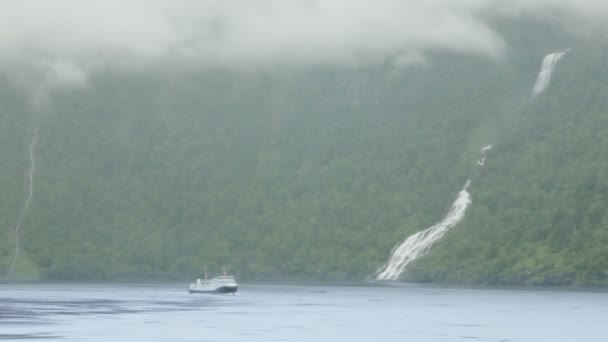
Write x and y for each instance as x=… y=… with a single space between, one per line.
x=313 y=173
x=540 y=213
x=13 y=163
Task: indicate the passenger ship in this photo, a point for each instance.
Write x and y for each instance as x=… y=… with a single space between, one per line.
x=221 y=284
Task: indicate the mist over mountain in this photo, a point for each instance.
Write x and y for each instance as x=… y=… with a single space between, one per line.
x=36 y=39
x=303 y=140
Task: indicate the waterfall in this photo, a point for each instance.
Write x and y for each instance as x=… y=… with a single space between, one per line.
x=544 y=76
x=482 y=161
x=28 y=199
x=420 y=243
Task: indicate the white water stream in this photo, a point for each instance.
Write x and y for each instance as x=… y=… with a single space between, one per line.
x=28 y=199
x=546 y=70
x=420 y=243
x=482 y=161
x=404 y=253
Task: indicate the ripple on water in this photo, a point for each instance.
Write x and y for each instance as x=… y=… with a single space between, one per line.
x=28 y=337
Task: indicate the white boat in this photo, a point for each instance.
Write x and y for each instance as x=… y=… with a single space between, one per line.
x=222 y=284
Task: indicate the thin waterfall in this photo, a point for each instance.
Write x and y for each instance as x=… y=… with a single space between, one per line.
x=28 y=199
x=546 y=70
x=415 y=246
x=484 y=150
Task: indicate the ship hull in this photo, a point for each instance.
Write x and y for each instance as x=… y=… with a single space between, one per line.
x=219 y=290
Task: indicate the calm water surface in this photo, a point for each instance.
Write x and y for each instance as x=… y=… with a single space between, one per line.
x=299 y=313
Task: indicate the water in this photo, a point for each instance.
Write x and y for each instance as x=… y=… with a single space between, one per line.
x=299 y=313
x=546 y=70
x=484 y=150
x=30 y=195
x=419 y=244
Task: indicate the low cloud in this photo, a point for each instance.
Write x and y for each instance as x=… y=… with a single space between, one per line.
x=72 y=37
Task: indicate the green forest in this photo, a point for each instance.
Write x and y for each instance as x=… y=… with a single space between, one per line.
x=316 y=173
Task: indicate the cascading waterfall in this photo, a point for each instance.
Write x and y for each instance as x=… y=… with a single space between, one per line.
x=484 y=150
x=28 y=199
x=415 y=246
x=420 y=243
x=544 y=76
x=49 y=75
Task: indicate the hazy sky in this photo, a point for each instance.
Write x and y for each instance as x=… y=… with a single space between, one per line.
x=64 y=38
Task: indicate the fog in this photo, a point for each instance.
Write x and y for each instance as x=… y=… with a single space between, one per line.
x=64 y=40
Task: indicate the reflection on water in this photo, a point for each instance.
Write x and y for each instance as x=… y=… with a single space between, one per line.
x=298 y=313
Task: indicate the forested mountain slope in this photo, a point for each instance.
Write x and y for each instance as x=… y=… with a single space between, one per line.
x=540 y=214
x=316 y=172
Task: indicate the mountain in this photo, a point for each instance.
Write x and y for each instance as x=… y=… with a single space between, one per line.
x=540 y=202
x=316 y=172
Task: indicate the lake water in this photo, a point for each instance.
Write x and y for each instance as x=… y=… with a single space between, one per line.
x=299 y=313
